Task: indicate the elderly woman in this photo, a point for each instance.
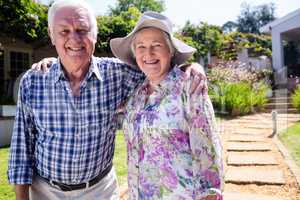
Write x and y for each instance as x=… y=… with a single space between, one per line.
x=172 y=146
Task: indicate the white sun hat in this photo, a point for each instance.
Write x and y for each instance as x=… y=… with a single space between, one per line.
x=121 y=47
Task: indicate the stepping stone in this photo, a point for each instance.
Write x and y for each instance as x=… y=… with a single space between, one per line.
x=250 y=175
x=249 y=131
x=250 y=146
x=246 y=196
x=250 y=158
x=246 y=138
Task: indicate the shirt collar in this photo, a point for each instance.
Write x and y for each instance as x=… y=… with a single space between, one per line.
x=59 y=74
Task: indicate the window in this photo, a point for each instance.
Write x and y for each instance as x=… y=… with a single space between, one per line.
x=1 y=70
x=19 y=62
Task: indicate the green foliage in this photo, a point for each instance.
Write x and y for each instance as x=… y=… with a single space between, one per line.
x=237 y=89
x=115 y=26
x=237 y=98
x=257 y=45
x=204 y=37
x=296 y=98
x=24 y=19
x=253 y=18
x=141 y=5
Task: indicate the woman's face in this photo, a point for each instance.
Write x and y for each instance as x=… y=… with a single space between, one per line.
x=152 y=52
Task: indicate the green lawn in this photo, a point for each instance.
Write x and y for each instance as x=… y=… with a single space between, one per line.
x=7 y=192
x=291 y=140
x=120 y=158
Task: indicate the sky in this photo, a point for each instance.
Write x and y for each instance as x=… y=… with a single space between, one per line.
x=216 y=12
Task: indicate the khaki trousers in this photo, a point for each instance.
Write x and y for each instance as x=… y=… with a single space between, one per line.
x=106 y=189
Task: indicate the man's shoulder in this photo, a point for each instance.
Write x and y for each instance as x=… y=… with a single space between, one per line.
x=108 y=61
x=32 y=76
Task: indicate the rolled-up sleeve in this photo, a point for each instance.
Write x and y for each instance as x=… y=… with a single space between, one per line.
x=20 y=166
x=206 y=148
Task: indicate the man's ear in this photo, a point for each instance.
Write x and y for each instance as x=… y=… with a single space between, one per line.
x=51 y=36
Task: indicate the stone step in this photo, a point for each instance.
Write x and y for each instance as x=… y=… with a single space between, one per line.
x=283 y=111
x=253 y=175
x=277 y=105
x=250 y=146
x=247 y=196
x=246 y=138
x=251 y=131
x=252 y=126
x=250 y=158
x=280 y=99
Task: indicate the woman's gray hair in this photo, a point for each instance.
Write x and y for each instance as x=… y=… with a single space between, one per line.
x=58 y=4
x=166 y=36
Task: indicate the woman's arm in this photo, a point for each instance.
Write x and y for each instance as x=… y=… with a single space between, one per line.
x=206 y=148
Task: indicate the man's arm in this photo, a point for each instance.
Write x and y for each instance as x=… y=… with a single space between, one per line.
x=21 y=149
x=22 y=192
x=132 y=77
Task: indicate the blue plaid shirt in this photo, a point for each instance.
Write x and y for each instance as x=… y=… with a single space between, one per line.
x=66 y=138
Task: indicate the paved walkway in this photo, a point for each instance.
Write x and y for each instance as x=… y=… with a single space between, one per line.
x=254 y=167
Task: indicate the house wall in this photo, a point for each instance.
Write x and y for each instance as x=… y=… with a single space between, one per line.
x=277 y=49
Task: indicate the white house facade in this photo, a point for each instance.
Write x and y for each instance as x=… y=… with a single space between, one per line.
x=284 y=30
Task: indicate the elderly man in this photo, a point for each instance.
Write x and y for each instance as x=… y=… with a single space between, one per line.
x=63 y=138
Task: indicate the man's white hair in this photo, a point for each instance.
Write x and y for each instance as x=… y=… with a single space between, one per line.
x=58 y=4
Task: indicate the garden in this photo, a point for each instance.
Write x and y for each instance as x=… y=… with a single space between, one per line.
x=235 y=88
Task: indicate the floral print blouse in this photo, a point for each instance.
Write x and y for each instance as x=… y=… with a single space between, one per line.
x=173 y=150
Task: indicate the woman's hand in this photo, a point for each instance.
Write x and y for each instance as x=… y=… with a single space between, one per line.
x=44 y=64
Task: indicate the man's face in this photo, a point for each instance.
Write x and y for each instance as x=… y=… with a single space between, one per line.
x=73 y=39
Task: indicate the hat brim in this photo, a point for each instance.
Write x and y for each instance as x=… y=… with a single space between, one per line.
x=121 y=47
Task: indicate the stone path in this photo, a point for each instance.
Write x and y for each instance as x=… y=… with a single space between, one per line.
x=254 y=167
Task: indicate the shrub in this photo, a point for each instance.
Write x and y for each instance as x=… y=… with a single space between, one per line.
x=237 y=98
x=296 y=98
x=237 y=89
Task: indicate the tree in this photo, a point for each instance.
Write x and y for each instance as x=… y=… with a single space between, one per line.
x=204 y=37
x=141 y=5
x=253 y=18
x=24 y=19
x=115 y=26
x=229 y=26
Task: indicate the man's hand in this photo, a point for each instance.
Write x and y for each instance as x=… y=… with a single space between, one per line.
x=22 y=192
x=44 y=64
x=199 y=84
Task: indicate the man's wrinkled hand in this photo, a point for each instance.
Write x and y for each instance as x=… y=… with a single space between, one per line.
x=199 y=84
